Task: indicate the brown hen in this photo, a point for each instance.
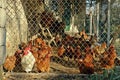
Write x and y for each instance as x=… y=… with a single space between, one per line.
x=77 y=54
x=44 y=51
x=86 y=65
x=61 y=51
x=9 y=64
x=43 y=64
x=82 y=33
x=37 y=42
x=109 y=57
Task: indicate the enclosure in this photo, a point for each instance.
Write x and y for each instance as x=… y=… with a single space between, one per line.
x=65 y=39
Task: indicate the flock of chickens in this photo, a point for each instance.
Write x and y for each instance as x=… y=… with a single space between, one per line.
x=33 y=54
x=89 y=55
x=85 y=51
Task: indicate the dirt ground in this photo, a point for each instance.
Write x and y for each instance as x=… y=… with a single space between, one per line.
x=57 y=71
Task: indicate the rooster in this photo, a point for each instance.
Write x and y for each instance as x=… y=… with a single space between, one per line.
x=9 y=64
x=27 y=60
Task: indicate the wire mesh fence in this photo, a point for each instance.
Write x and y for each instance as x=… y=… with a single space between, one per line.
x=61 y=36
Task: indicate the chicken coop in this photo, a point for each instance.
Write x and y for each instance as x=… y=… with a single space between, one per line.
x=60 y=39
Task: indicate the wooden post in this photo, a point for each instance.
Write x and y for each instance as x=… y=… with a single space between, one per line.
x=72 y=18
x=108 y=33
x=91 y=16
x=98 y=17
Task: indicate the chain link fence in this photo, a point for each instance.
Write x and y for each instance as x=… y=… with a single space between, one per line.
x=62 y=36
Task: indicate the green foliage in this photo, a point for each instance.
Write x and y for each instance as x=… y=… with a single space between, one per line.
x=107 y=75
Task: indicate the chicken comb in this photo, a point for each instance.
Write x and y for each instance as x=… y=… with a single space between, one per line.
x=26 y=50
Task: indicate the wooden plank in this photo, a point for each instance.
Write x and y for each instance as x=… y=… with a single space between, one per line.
x=39 y=75
x=64 y=69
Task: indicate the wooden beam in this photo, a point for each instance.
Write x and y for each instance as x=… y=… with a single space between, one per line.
x=91 y=18
x=98 y=18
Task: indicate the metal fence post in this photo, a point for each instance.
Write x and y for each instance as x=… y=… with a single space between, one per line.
x=2 y=36
x=91 y=18
x=98 y=17
x=108 y=33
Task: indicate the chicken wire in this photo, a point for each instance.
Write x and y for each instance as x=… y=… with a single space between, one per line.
x=27 y=18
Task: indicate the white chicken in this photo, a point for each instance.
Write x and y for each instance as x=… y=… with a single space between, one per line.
x=27 y=60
